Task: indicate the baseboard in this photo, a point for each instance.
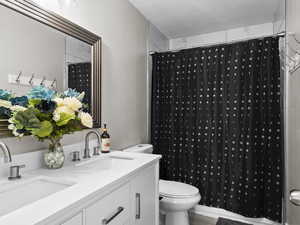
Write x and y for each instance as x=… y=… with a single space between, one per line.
x=216 y=213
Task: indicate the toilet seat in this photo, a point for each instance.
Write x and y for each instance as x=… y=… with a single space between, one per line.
x=172 y=189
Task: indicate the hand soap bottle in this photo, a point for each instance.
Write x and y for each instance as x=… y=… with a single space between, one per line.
x=105 y=141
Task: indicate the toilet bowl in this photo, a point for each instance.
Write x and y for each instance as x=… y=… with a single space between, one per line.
x=176 y=198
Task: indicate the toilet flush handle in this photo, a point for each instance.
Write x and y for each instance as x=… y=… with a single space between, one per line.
x=295 y=197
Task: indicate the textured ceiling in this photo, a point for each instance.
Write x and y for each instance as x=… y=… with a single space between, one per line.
x=180 y=18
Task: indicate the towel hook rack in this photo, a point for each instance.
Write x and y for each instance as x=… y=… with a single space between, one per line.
x=18 y=77
x=53 y=83
x=43 y=80
x=31 y=79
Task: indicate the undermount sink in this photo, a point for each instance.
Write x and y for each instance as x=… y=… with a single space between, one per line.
x=104 y=161
x=121 y=158
x=14 y=195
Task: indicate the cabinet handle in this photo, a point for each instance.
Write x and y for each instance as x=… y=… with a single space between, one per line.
x=138 y=206
x=108 y=220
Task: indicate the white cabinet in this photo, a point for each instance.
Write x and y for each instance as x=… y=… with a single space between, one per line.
x=144 y=197
x=76 y=220
x=113 y=209
x=135 y=201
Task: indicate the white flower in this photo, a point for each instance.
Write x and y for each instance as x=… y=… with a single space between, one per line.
x=5 y=104
x=11 y=120
x=63 y=109
x=81 y=96
x=59 y=101
x=86 y=119
x=56 y=116
x=17 y=108
x=11 y=127
x=70 y=102
x=73 y=103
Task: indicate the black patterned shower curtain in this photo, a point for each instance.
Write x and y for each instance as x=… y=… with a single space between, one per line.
x=216 y=120
x=80 y=79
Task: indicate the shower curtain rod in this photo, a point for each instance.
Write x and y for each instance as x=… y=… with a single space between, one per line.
x=281 y=34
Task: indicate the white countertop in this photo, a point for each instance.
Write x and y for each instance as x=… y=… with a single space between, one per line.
x=90 y=180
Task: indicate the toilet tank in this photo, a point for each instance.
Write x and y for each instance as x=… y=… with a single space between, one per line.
x=140 y=148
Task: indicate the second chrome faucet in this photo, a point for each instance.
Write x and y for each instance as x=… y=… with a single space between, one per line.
x=87 y=153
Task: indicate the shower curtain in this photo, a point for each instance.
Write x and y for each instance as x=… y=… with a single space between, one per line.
x=80 y=79
x=216 y=120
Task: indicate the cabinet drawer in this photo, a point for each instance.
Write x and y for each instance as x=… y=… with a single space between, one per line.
x=113 y=209
x=76 y=220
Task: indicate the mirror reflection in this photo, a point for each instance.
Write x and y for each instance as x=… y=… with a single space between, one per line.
x=29 y=60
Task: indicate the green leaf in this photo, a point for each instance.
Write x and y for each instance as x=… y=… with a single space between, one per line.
x=27 y=119
x=64 y=119
x=44 y=131
x=34 y=101
x=44 y=116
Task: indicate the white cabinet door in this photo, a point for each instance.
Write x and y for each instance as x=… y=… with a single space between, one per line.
x=76 y=220
x=144 y=197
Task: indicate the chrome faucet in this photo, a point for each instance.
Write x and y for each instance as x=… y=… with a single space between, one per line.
x=87 y=143
x=6 y=152
x=14 y=172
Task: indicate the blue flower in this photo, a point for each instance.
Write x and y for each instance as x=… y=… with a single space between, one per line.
x=40 y=92
x=5 y=113
x=46 y=106
x=4 y=94
x=22 y=131
x=22 y=101
x=71 y=93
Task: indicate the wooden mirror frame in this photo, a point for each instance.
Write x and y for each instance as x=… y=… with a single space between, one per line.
x=36 y=12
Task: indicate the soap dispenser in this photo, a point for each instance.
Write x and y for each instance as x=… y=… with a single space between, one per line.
x=105 y=141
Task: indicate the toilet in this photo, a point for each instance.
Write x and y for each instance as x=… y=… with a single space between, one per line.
x=176 y=198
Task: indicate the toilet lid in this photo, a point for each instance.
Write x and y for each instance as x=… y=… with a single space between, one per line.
x=176 y=189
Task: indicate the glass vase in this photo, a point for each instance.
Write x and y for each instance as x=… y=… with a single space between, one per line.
x=55 y=157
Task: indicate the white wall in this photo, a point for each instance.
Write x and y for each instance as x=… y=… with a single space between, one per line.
x=279 y=18
x=223 y=36
x=23 y=48
x=124 y=97
x=157 y=40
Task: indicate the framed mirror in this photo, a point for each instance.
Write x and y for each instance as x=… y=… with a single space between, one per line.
x=43 y=48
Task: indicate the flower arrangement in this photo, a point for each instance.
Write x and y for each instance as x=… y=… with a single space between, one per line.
x=45 y=114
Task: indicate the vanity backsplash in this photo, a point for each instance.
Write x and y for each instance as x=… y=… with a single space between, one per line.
x=34 y=160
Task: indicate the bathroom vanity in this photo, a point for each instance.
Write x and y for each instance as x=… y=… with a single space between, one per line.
x=117 y=189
